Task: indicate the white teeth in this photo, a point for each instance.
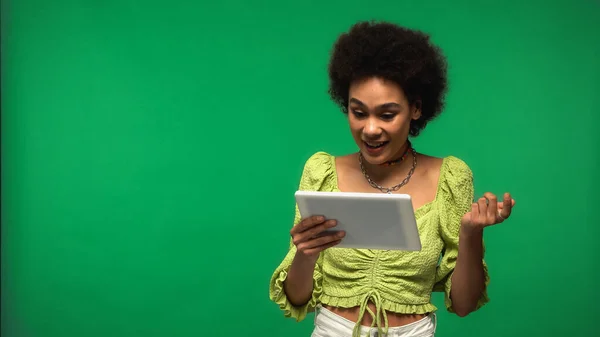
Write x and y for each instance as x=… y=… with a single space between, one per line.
x=375 y=144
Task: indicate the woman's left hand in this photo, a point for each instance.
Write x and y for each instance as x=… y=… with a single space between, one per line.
x=487 y=211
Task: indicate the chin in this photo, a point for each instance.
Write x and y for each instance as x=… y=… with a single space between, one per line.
x=375 y=156
x=374 y=159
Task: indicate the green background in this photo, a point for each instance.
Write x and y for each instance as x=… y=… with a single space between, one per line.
x=132 y=131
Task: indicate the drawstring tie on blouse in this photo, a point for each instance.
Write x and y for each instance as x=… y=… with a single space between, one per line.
x=372 y=295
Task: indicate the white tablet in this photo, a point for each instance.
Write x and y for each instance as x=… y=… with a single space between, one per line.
x=370 y=220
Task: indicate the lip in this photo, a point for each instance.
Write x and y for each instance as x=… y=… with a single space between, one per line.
x=376 y=151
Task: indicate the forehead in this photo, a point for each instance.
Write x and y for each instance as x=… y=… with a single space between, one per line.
x=375 y=91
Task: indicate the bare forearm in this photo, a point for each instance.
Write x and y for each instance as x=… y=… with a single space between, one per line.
x=468 y=279
x=298 y=285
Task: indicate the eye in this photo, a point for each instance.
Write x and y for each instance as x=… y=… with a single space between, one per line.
x=358 y=113
x=388 y=116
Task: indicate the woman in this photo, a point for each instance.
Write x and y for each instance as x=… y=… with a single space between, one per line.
x=390 y=82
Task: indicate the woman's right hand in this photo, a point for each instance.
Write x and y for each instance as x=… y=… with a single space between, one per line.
x=310 y=238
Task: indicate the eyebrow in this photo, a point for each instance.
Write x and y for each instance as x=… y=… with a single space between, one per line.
x=382 y=106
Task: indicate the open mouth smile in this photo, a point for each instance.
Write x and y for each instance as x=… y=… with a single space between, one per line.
x=375 y=145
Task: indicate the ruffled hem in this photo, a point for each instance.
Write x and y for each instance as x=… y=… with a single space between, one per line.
x=279 y=296
x=387 y=305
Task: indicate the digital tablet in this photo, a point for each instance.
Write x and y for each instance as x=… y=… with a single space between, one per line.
x=370 y=220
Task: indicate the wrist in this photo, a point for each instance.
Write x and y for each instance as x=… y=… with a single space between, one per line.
x=305 y=260
x=470 y=231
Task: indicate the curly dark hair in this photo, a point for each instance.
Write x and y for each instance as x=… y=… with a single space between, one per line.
x=392 y=52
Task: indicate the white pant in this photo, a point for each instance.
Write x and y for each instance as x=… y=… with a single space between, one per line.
x=329 y=324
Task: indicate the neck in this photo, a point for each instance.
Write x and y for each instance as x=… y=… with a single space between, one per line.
x=402 y=163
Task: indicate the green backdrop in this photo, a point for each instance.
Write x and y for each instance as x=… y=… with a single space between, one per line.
x=131 y=131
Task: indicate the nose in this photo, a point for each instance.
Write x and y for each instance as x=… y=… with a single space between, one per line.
x=372 y=130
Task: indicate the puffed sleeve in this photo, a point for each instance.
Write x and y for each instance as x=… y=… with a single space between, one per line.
x=457 y=192
x=316 y=176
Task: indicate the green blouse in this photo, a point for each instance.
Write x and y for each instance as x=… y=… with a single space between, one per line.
x=395 y=281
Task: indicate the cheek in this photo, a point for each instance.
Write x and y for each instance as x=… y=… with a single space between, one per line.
x=354 y=126
x=398 y=132
x=400 y=128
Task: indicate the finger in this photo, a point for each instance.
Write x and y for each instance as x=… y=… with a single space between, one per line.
x=313 y=232
x=307 y=223
x=482 y=203
x=474 y=212
x=319 y=249
x=507 y=205
x=512 y=203
x=321 y=241
x=317 y=230
x=492 y=207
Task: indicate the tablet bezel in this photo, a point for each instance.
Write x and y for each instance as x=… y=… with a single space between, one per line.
x=392 y=223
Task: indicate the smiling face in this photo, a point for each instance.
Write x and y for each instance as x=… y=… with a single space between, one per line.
x=379 y=115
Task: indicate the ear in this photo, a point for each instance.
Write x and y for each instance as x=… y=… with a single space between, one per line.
x=416 y=113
